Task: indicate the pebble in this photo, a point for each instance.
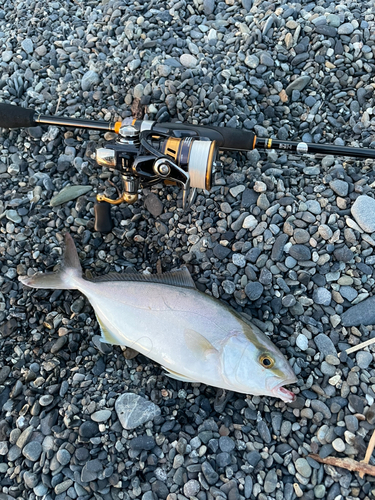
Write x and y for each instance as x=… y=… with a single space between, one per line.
x=303 y=467
x=363 y=211
x=362 y=313
x=101 y=415
x=133 y=410
x=32 y=451
x=89 y=79
x=69 y=193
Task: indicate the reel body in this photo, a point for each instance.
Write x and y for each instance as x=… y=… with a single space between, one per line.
x=145 y=158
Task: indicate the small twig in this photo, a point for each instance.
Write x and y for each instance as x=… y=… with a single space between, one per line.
x=369 y=452
x=346 y=463
x=360 y=346
x=58 y=104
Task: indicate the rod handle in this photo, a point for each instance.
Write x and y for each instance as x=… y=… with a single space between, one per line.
x=103 y=219
x=16 y=116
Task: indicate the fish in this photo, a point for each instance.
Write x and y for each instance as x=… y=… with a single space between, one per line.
x=193 y=336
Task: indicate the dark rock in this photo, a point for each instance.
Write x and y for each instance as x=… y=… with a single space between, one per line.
x=254 y=290
x=209 y=473
x=300 y=252
x=88 y=429
x=360 y=314
x=142 y=443
x=220 y=251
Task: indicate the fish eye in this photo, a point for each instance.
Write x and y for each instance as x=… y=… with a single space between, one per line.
x=266 y=361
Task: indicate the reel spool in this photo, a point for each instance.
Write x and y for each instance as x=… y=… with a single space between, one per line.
x=196 y=157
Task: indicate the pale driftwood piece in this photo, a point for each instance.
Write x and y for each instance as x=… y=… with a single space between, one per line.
x=346 y=463
x=360 y=346
x=369 y=452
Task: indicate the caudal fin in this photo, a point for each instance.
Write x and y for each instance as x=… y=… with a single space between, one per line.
x=68 y=276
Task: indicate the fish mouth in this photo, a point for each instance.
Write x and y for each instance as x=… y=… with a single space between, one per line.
x=285 y=395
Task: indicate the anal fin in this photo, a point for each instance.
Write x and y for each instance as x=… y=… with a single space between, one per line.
x=107 y=336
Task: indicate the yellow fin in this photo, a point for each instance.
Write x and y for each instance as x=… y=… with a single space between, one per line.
x=198 y=344
x=107 y=336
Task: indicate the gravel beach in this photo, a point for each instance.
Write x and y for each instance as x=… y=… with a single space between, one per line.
x=286 y=239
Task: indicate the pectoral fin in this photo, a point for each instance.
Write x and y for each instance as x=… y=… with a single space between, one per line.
x=177 y=376
x=198 y=345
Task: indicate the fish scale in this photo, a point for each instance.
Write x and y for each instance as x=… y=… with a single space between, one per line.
x=195 y=337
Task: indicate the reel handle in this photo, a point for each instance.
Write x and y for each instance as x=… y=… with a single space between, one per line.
x=103 y=219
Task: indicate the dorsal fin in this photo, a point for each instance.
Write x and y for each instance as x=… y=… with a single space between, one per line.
x=180 y=278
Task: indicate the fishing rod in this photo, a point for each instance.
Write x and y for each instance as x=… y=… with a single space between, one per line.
x=146 y=152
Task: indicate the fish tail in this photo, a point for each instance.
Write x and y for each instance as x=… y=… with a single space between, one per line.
x=68 y=276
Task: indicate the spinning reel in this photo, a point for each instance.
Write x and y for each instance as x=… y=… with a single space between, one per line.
x=147 y=152
x=147 y=157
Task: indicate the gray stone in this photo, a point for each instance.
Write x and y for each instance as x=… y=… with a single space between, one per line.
x=133 y=410
x=91 y=470
x=298 y=84
x=364 y=359
x=27 y=45
x=270 y=481
x=208 y=7
x=32 y=451
x=360 y=314
x=69 y=193
x=322 y=296
x=363 y=211
x=303 y=467
x=340 y=187
x=6 y=55
x=348 y=293
x=302 y=342
x=325 y=344
x=314 y=207
x=254 y=290
x=191 y=488
x=252 y=61
x=345 y=29
x=221 y=252
x=278 y=247
x=300 y=252
x=209 y=473
x=101 y=415
x=63 y=457
x=343 y=254
x=89 y=79
x=188 y=61
x=153 y=204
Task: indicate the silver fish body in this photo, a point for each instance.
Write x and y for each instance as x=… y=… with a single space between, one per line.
x=193 y=336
